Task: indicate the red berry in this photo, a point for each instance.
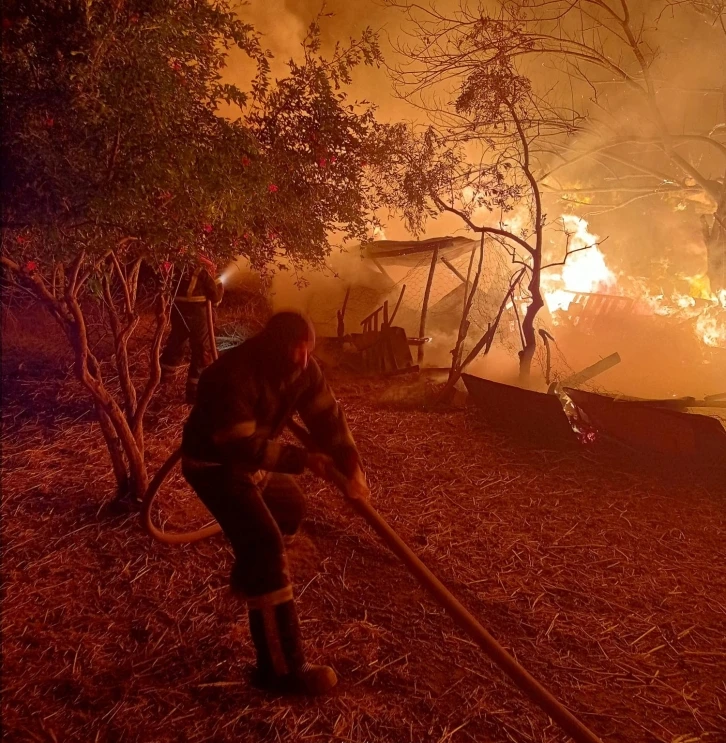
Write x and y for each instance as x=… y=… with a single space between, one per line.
x=272 y=188
x=31 y=266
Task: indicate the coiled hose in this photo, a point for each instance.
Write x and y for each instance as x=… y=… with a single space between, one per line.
x=154 y=531
x=148 y=501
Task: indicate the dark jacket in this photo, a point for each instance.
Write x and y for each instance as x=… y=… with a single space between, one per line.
x=242 y=406
x=196 y=285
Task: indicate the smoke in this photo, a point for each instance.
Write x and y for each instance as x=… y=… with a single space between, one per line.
x=651 y=246
x=318 y=291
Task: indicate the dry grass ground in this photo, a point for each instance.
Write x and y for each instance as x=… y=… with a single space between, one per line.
x=605 y=579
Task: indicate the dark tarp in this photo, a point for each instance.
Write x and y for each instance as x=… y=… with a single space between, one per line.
x=647 y=427
x=534 y=416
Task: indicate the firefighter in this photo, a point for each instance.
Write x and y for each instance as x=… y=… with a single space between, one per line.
x=243 y=476
x=190 y=323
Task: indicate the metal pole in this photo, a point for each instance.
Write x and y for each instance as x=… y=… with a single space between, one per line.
x=425 y=307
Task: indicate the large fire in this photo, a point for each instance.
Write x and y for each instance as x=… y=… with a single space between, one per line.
x=586 y=272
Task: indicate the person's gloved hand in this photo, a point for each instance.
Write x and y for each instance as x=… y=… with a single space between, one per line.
x=357 y=486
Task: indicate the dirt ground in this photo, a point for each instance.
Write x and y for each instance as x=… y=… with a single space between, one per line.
x=604 y=577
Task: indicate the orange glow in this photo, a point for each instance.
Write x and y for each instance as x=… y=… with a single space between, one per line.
x=587 y=272
x=584 y=271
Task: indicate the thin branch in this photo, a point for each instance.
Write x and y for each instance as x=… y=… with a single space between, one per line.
x=569 y=252
x=162 y=320
x=476 y=228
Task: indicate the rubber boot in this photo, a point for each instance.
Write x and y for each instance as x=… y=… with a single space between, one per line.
x=281 y=665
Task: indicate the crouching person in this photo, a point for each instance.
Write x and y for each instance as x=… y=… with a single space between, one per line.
x=244 y=477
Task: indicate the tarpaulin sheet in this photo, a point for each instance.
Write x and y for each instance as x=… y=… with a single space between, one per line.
x=415 y=252
x=534 y=416
x=644 y=426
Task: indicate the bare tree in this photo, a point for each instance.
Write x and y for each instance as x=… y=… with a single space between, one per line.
x=645 y=82
x=655 y=108
x=490 y=130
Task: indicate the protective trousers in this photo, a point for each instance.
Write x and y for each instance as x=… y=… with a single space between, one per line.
x=254 y=518
x=189 y=324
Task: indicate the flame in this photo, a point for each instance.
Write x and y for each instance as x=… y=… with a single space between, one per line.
x=379 y=233
x=586 y=271
x=699 y=287
x=711 y=326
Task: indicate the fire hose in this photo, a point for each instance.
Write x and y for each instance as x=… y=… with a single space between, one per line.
x=159 y=534
x=521 y=678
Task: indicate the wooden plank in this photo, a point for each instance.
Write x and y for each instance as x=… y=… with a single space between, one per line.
x=591 y=371
x=453 y=269
x=380 y=268
x=398 y=303
x=341 y=314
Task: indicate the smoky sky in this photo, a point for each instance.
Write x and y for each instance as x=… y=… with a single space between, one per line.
x=690 y=54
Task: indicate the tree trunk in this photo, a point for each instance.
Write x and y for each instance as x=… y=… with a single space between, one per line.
x=530 y=337
x=114 y=425
x=121 y=423
x=715 y=239
x=115 y=451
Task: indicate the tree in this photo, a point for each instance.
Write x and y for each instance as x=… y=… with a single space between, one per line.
x=118 y=165
x=480 y=157
x=653 y=102
x=579 y=102
x=646 y=86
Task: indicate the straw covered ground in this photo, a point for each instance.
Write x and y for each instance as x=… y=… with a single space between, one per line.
x=606 y=580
